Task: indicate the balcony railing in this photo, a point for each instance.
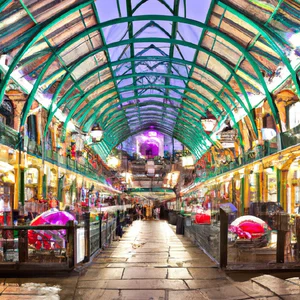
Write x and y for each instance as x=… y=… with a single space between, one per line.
x=65 y=162
x=8 y=136
x=248 y=157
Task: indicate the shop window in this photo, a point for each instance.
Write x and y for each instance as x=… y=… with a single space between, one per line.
x=7 y=112
x=32 y=128
x=293 y=114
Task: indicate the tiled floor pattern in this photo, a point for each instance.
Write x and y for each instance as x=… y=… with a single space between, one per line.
x=151 y=262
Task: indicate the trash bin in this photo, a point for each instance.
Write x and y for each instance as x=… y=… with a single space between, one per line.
x=172 y=217
x=180 y=224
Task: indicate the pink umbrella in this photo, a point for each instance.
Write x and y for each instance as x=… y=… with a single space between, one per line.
x=40 y=238
x=248 y=227
x=53 y=217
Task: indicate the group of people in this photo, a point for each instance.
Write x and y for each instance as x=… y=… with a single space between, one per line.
x=142 y=212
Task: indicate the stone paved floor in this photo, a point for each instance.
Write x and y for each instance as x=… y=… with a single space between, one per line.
x=151 y=262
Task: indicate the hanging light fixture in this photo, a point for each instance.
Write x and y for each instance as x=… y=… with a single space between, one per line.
x=96 y=133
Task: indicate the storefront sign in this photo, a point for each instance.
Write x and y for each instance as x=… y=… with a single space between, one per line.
x=227 y=136
x=208 y=124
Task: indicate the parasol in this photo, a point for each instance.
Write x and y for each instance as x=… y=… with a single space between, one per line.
x=49 y=239
x=53 y=217
x=248 y=227
x=239 y=220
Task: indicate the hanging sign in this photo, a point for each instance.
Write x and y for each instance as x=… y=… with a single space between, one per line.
x=227 y=138
x=208 y=124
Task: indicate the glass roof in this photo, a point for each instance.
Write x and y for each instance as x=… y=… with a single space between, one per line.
x=131 y=64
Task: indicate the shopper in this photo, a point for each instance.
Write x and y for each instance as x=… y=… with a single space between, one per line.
x=119 y=231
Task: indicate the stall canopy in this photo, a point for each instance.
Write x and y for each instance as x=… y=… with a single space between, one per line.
x=131 y=64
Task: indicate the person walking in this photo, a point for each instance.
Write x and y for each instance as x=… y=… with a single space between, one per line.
x=119 y=231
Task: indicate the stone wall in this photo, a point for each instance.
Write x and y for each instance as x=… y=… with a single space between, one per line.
x=206 y=237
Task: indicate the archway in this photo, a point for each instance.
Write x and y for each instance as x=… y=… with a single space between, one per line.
x=149 y=149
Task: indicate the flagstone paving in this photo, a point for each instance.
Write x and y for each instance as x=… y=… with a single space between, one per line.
x=151 y=262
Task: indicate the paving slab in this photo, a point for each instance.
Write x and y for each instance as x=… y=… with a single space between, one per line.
x=225 y=293
x=277 y=285
x=134 y=284
x=148 y=259
x=179 y=273
x=96 y=294
x=142 y=295
x=206 y=273
x=186 y=295
x=254 y=290
x=129 y=265
x=108 y=273
x=103 y=260
x=208 y=283
x=145 y=273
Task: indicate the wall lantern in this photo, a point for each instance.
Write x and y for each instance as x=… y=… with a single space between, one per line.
x=96 y=133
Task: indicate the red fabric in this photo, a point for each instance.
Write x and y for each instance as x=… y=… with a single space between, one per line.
x=202 y=219
x=251 y=227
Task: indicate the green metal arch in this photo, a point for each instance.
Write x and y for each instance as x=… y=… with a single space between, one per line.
x=265 y=32
x=144 y=97
x=3 y=4
x=211 y=91
x=220 y=100
x=119 y=133
x=75 y=107
x=124 y=135
x=177 y=135
x=35 y=37
x=270 y=105
x=158 y=58
x=95 y=88
x=111 y=129
x=152 y=86
x=118 y=124
x=116 y=118
x=181 y=120
x=152 y=103
x=166 y=18
x=191 y=113
x=133 y=98
x=169 y=76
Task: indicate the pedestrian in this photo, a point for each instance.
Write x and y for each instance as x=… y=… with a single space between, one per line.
x=119 y=231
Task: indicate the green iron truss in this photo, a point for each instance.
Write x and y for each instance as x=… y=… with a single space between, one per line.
x=174 y=109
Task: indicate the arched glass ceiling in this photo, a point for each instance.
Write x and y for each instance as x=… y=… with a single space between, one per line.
x=131 y=64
